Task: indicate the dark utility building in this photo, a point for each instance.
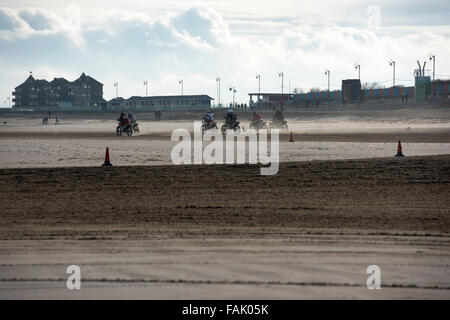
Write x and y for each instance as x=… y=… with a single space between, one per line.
x=85 y=92
x=351 y=91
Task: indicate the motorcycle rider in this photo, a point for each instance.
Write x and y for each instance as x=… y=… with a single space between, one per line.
x=230 y=118
x=278 y=116
x=208 y=118
x=123 y=119
x=122 y=115
x=257 y=119
x=131 y=117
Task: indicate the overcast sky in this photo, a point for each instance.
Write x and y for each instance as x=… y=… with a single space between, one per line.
x=165 y=41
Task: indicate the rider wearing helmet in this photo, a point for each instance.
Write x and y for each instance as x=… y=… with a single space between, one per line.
x=278 y=116
x=131 y=117
x=123 y=119
x=257 y=117
x=230 y=117
x=122 y=115
x=208 y=118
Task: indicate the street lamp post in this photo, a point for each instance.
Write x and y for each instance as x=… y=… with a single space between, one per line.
x=281 y=74
x=116 y=84
x=358 y=66
x=433 y=57
x=392 y=63
x=181 y=82
x=9 y=101
x=233 y=89
x=258 y=76
x=146 y=88
x=218 y=90
x=328 y=95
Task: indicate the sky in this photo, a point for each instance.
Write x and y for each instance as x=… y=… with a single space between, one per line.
x=162 y=42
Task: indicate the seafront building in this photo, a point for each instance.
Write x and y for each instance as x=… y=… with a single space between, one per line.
x=154 y=103
x=82 y=93
x=86 y=94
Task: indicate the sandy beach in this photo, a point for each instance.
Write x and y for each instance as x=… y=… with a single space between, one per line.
x=148 y=229
x=308 y=232
x=325 y=135
x=239 y=151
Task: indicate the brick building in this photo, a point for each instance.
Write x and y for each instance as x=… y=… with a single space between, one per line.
x=84 y=92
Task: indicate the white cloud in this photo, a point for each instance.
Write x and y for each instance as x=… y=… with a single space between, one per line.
x=197 y=45
x=28 y=22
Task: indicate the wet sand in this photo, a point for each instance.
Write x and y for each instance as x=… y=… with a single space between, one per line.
x=226 y=232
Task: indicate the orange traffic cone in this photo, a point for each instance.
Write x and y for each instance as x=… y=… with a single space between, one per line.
x=399 y=150
x=291 y=139
x=107 y=162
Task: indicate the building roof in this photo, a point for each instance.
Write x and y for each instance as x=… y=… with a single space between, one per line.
x=42 y=81
x=98 y=100
x=85 y=78
x=29 y=79
x=270 y=94
x=60 y=81
x=176 y=97
x=118 y=99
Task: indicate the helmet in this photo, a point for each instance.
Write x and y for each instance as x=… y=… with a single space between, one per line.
x=230 y=111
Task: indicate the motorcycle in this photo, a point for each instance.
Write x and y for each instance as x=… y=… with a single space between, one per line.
x=234 y=125
x=124 y=127
x=208 y=125
x=276 y=124
x=258 y=124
